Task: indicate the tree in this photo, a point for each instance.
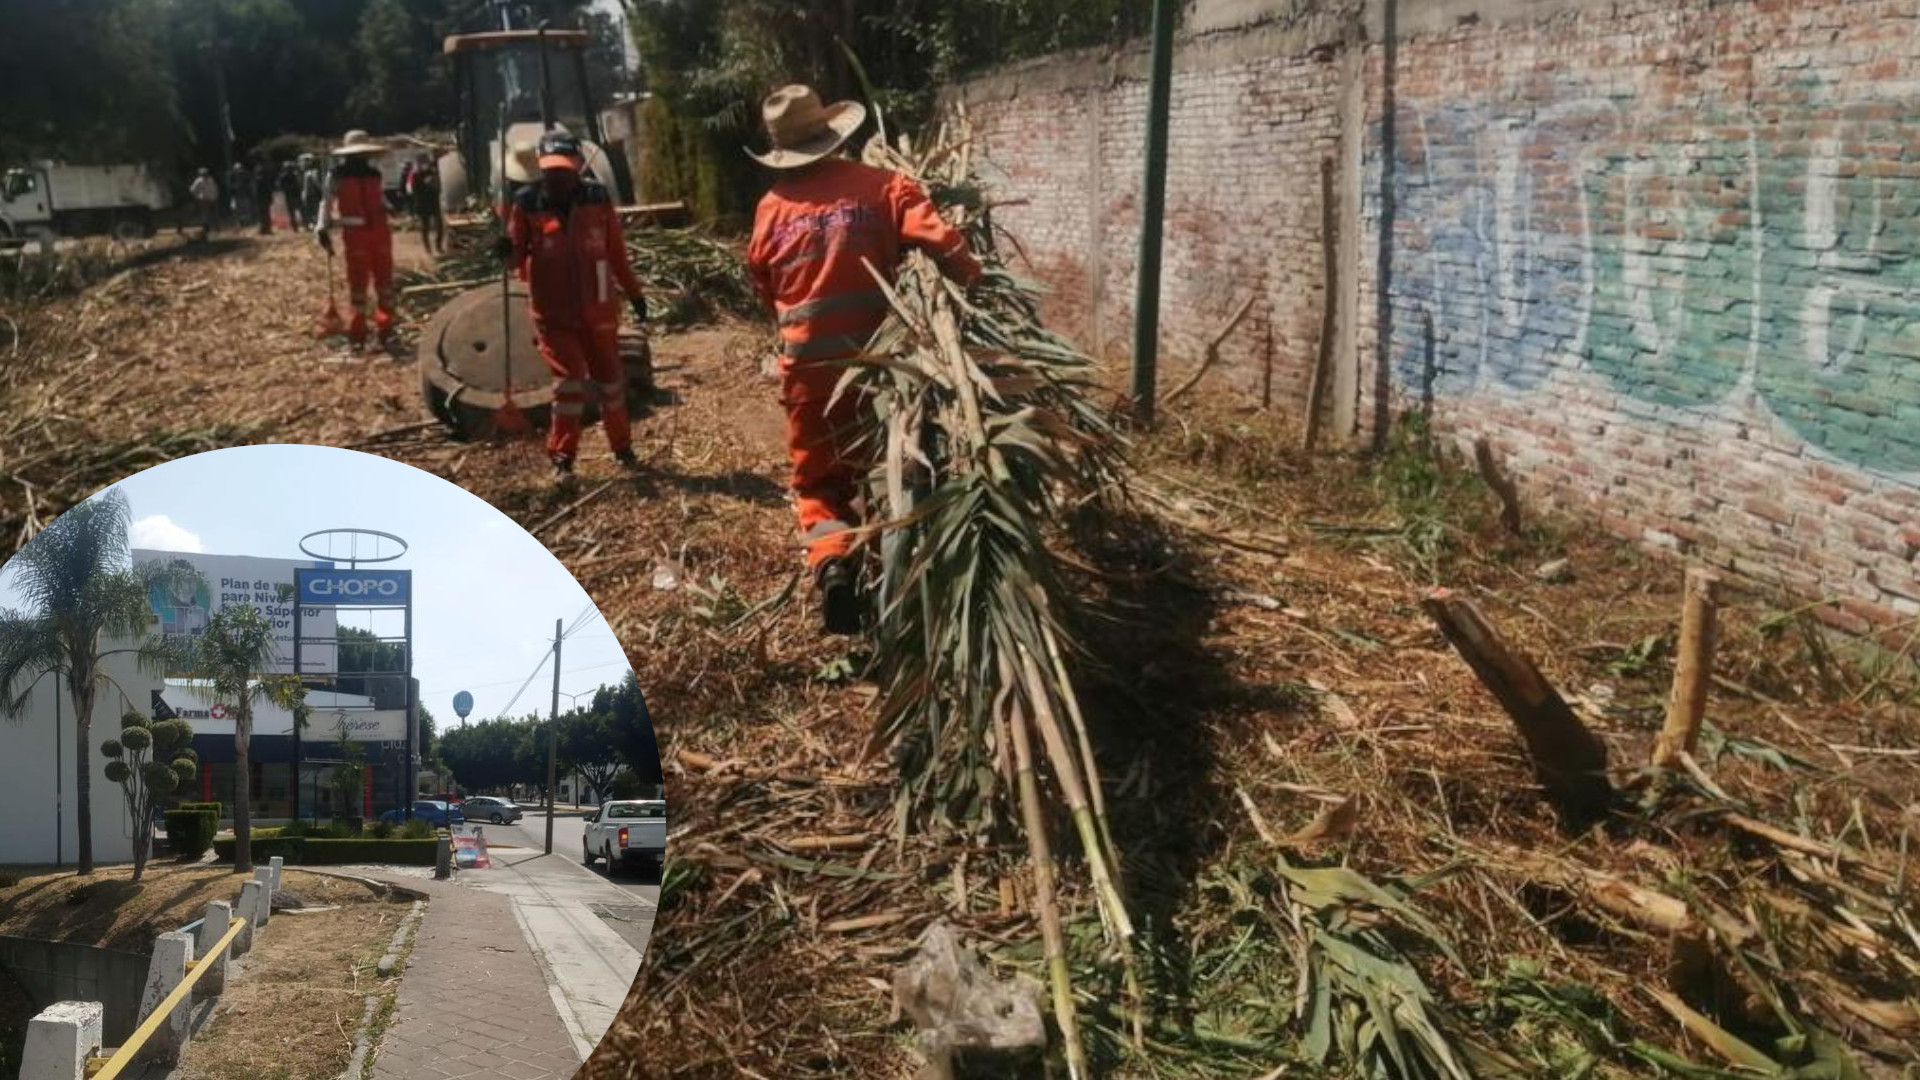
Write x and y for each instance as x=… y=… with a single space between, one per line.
x=587 y=746
x=80 y=596
x=630 y=727
x=228 y=658
x=149 y=760
x=349 y=777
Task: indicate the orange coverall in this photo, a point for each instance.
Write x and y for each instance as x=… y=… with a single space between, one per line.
x=359 y=207
x=810 y=235
x=571 y=255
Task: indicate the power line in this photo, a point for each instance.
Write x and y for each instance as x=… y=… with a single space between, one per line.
x=509 y=682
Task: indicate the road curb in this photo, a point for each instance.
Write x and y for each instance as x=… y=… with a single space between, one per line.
x=379 y=887
x=362 y=1041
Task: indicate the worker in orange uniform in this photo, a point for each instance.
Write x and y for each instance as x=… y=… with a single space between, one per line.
x=563 y=235
x=825 y=218
x=356 y=199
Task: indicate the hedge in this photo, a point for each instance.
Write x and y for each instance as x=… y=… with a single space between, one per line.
x=329 y=851
x=190 y=832
x=219 y=809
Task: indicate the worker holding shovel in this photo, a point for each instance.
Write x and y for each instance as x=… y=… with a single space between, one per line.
x=356 y=199
x=815 y=235
x=564 y=239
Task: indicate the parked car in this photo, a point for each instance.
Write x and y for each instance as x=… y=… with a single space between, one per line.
x=625 y=831
x=436 y=813
x=491 y=808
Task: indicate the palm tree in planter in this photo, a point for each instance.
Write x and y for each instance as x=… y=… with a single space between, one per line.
x=232 y=658
x=81 y=595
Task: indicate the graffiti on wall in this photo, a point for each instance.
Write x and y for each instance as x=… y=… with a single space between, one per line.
x=1686 y=256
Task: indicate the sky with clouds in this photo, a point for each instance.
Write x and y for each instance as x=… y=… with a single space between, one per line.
x=486 y=593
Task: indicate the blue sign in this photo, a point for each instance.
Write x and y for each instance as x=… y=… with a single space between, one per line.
x=462 y=704
x=336 y=586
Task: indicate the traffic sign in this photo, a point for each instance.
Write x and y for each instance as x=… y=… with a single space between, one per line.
x=462 y=704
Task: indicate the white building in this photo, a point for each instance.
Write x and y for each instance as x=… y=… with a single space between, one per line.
x=39 y=810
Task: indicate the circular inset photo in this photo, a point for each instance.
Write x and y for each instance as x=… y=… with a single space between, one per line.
x=307 y=735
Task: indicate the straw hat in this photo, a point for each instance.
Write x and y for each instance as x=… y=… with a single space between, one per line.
x=359 y=142
x=802 y=129
x=522 y=162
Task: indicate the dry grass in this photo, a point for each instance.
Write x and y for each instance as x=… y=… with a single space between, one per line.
x=293 y=1011
x=109 y=910
x=1263 y=647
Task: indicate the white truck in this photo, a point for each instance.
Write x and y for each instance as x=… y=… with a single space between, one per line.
x=626 y=832
x=45 y=199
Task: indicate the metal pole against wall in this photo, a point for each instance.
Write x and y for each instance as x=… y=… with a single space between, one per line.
x=59 y=783
x=553 y=735
x=301 y=681
x=1153 y=205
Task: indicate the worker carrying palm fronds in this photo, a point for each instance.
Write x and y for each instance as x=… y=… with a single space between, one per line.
x=564 y=238
x=814 y=233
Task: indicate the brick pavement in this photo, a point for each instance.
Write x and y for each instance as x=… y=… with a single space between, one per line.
x=473 y=1004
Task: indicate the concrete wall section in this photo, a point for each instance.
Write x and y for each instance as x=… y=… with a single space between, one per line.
x=1670 y=256
x=51 y=971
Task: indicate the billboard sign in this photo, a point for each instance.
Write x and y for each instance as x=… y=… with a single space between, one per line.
x=356 y=587
x=263 y=584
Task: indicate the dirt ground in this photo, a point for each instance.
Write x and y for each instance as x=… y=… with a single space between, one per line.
x=109 y=910
x=1256 y=657
x=293 y=1011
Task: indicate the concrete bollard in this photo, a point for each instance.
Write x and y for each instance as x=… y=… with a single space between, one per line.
x=250 y=896
x=212 y=929
x=60 y=1040
x=276 y=864
x=264 y=875
x=167 y=969
x=443 y=858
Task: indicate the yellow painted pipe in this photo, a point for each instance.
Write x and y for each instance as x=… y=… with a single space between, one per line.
x=111 y=1067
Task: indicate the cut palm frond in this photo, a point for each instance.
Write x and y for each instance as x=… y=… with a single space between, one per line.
x=983 y=431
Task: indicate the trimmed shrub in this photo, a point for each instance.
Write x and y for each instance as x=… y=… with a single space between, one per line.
x=190 y=832
x=323 y=852
x=334 y=851
x=416 y=829
x=264 y=848
x=219 y=809
x=379 y=830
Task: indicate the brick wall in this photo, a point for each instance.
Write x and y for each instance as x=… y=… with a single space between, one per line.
x=1243 y=200
x=1665 y=254
x=1670 y=252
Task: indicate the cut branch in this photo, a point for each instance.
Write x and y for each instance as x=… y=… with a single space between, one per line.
x=1569 y=761
x=1692 y=672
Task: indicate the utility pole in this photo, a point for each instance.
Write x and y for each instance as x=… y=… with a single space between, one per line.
x=553 y=736
x=1153 y=207
x=59 y=783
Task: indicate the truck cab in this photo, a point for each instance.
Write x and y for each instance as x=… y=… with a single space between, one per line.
x=625 y=832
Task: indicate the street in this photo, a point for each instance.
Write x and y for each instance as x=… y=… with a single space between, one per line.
x=632 y=920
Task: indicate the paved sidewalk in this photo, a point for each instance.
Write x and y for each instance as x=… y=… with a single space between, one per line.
x=474 y=1003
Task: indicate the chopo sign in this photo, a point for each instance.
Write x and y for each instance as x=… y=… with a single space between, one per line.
x=355 y=586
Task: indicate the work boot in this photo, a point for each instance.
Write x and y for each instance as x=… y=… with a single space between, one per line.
x=839 y=599
x=626 y=459
x=562 y=471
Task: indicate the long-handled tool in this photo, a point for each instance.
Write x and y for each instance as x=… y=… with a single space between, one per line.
x=509 y=420
x=330 y=321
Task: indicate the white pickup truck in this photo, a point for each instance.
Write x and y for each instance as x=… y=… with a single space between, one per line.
x=625 y=832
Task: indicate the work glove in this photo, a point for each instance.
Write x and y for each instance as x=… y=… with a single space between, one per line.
x=639 y=306
x=326 y=240
x=503 y=248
